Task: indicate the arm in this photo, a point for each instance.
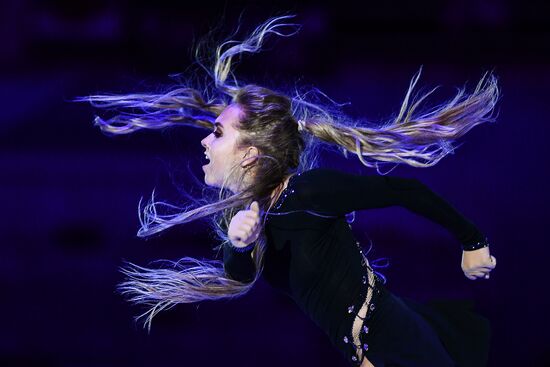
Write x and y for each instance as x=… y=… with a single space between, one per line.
x=331 y=191
x=238 y=265
x=243 y=231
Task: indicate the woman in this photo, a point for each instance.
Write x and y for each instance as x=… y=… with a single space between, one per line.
x=279 y=215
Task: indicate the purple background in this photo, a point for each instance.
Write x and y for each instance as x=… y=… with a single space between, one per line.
x=70 y=194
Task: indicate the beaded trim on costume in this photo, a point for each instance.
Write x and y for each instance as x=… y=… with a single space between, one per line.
x=476 y=246
x=287 y=191
x=370 y=293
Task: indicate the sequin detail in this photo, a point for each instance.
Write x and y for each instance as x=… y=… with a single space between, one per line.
x=363 y=345
x=286 y=192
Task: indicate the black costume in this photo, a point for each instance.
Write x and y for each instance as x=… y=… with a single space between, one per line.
x=316 y=260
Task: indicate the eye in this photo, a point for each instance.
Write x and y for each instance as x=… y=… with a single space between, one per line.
x=216 y=133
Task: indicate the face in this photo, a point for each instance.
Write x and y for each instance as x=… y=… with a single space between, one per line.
x=221 y=149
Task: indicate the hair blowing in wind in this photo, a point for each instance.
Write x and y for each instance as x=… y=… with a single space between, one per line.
x=270 y=122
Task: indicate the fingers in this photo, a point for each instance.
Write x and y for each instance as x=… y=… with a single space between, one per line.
x=251 y=222
x=253 y=210
x=487 y=268
x=241 y=235
x=491 y=264
x=244 y=226
x=484 y=266
x=478 y=264
x=478 y=273
x=474 y=276
x=247 y=230
x=251 y=216
x=255 y=207
x=247 y=227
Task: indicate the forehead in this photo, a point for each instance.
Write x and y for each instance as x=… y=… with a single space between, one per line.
x=229 y=117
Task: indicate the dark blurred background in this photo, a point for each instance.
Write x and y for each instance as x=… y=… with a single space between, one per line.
x=70 y=194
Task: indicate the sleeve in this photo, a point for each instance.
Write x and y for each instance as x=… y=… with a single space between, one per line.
x=332 y=191
x=238 y=265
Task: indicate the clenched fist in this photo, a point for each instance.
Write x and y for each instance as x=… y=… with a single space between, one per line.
x=478 y=263
x=244 y=227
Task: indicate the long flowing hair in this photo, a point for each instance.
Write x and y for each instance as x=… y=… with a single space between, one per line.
x=269 y=122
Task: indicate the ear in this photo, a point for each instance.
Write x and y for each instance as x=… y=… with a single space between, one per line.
x=249 y=155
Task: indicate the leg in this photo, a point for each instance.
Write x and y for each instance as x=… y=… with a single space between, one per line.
x=402 y=337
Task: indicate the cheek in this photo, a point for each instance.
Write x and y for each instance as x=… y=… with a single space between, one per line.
x=224 y=155
x=225 y=162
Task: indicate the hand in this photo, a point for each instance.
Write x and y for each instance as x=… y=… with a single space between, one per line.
x=244 y=227
x=478 y=263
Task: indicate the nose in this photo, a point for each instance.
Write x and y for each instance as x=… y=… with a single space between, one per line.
x=203 y=142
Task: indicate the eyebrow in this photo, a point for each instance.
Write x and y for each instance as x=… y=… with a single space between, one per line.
x=218 y=124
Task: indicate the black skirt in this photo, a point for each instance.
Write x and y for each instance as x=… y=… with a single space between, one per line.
x=442 y=333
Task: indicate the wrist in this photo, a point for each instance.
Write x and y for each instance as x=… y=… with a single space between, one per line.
x=241 y=248
x=475 y=246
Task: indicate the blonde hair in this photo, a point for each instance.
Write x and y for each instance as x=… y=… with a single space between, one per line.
x=269 y=122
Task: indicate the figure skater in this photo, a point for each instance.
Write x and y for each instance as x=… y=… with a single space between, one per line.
x=279 y=215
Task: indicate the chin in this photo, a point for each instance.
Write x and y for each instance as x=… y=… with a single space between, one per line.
x=208 y=182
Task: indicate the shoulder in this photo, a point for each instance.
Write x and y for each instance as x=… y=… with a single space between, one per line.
x=318 y=172
x=319 y=179
x=311 y=176
x=329 y=177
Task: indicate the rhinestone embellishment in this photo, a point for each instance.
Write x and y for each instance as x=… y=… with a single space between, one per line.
x=286 y=191
x=364 y=330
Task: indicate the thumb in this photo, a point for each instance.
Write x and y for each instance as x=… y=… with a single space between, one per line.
x=255 y=206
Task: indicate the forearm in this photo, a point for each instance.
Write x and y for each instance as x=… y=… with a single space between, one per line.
x=422 y=200
x=238 y=265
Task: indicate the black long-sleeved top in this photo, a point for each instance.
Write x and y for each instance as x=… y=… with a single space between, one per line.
x=314 y=259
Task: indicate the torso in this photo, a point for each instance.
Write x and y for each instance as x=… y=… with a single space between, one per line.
x=317 y=262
